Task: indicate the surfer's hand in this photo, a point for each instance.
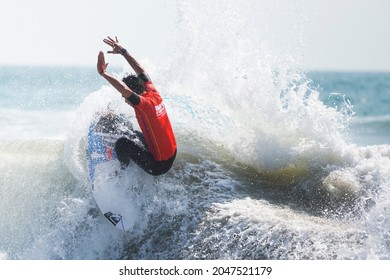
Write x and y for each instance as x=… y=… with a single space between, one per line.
x=101 y=63
x=116 y=47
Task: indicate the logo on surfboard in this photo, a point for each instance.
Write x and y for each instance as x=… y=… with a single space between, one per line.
x=113 y=218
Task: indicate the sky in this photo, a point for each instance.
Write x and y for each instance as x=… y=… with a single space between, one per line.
x=346 y=35
x=350 y=35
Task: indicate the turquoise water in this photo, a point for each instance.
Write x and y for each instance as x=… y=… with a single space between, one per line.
x=46 y=88
x=365 y=97
x=369 y=96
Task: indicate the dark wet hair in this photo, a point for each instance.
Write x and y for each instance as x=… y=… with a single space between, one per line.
x=134 y=83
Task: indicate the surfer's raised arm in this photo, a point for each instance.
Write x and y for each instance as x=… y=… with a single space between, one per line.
x=118 y=49
x=117 y=84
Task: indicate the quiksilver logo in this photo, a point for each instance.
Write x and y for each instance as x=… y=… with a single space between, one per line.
x=113 y=218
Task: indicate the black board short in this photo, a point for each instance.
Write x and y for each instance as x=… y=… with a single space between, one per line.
x=128 y=150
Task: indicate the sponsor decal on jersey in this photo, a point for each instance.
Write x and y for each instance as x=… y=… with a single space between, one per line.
x=160 y=110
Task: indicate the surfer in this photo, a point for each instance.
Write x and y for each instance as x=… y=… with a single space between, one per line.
x=159 y=151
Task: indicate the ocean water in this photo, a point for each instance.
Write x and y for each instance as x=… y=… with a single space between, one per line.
x=273 y=162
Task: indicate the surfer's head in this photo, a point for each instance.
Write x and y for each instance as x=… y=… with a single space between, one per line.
x=134 y=83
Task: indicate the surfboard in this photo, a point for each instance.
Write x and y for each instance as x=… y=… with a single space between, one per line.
x=104 y=168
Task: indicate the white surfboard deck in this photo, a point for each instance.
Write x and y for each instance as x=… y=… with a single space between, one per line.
x=104 y=169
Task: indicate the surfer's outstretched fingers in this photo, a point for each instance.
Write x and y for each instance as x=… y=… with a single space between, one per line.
x=100 y=61
x=111 y=42
x=107 y=42
x=116 y=48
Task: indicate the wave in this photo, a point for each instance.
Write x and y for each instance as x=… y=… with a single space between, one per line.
x=212 y=205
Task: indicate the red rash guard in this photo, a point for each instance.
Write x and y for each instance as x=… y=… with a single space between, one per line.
x=154 y=123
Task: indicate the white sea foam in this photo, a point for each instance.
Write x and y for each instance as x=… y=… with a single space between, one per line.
x=28 y=125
